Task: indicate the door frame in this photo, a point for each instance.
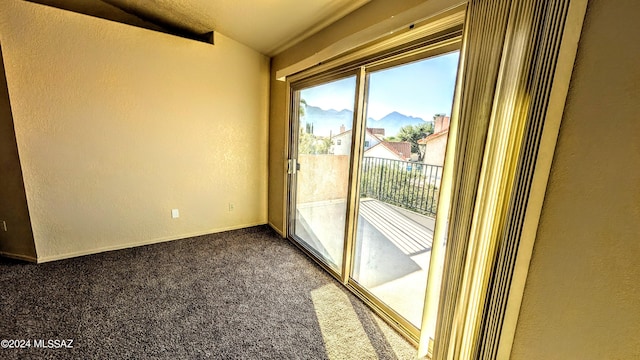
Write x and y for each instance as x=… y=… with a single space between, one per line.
x=434 y=44
x=294 y=90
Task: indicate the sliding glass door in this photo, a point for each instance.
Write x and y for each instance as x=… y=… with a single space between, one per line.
x=324 y=116
x=407 y=125
x=367 y=154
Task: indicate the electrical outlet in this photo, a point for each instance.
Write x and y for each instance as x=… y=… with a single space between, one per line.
x=231 y=206
x=4 y=225
x=175 y=213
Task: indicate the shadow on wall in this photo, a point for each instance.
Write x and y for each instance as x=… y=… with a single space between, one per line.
x=16 y=236
x=150 y=18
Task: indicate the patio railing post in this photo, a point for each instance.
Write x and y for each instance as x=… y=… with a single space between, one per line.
x=379 y=193
x=405 y=184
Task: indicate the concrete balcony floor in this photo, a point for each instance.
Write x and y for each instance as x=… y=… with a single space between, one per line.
x=392 y=252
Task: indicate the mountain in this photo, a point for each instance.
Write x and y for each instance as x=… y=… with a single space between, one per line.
x=393 y=122
x=327 y=122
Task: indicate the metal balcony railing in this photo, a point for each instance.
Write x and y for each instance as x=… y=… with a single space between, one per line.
x=409 y=185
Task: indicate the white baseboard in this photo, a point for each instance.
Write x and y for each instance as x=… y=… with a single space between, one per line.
x=49 y=258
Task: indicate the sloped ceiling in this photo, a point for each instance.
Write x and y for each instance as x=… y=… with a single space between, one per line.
x=268 y=26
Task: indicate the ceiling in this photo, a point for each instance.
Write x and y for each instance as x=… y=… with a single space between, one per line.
x=268 y=26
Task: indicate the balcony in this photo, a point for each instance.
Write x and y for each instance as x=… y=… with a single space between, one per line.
x=397 y=207
x=409 y=185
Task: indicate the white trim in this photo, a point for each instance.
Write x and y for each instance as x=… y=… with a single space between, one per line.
x=351 y=6
x=19 y=256
x=441 y=222
x=44 y=259
x=557 y=99
x=394 y=23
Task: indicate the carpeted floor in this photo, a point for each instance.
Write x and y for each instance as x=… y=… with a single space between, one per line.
x=244 y=294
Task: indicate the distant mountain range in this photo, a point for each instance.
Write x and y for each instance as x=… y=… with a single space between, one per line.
x=327 y=122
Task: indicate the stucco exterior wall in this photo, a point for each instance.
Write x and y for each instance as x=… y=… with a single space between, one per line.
x=435 y=150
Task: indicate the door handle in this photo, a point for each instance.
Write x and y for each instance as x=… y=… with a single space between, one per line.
x=292 y=166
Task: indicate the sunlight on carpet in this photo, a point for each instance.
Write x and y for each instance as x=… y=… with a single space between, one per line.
x=343 y=334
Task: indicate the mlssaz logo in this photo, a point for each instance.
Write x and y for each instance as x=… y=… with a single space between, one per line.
x=53 y=344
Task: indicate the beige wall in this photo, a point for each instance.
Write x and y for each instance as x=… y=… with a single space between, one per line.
x=582 y=296
x=322 y=178
x=435 y=150
x=117 y=125
x=17 y=241
x=361 y=23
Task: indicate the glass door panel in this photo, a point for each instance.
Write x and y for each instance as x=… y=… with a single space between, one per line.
x=407 y=122
x=323 y=153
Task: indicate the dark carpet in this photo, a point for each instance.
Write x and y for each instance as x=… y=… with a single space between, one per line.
x=244 y=294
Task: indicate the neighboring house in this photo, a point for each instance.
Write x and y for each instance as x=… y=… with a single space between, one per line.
x=435 y=145
x=377 y=131
x=341 y=143
x=390 y=150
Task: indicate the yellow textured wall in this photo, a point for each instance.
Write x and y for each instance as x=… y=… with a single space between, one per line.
x=17 y=241
x=117 y=125
x=582 y=296
x=361 y=21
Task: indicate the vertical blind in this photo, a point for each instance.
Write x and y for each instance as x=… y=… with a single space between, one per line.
x=512 y=48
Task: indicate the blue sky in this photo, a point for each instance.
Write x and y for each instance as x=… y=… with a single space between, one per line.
x=419 y=89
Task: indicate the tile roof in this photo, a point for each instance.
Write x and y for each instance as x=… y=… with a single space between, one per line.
x=402 y=148
x=433 y=136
